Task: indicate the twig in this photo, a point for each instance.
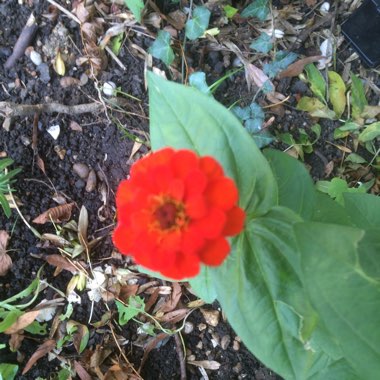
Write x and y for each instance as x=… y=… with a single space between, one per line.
x=8 y=109
x=23 y=41
x=65 y=11
x=178 y=346
x=122 y=352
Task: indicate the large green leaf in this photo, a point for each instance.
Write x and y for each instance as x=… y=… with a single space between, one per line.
x=203 y=285
x=265 y=303
x=344 y=287
x=295 y=187
x=182 y=117
x=364 y=209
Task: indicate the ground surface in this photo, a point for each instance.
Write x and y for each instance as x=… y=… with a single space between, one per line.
x=102 y=142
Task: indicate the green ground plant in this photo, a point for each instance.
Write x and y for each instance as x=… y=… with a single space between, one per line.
x=6 y=179
x=303 y=277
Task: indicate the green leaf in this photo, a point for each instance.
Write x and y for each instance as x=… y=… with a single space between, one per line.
x=8 y=371
x=335 y=262
x=316 y=80
x=295 y=187
x=5 y=205
x=136 y=7
x=161 y=49
x=184 y=118
x=198 y=81
x=230 y=11
x=370 y=132
x=282 y=60
x=258 y=9
x=315 y=107
x=135 y=306
x=203 y=285
x=364 y=209
x=37 y=328
x=355 y=158
x=9 y=319
x=262 y=44
x=337 y=91
x=336 y=188
x=358 y=99
x=197 y=25
x=345 y=129
x=264 y=299
x=116 y=43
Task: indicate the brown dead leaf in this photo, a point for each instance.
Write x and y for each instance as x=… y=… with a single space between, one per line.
x=81 y=372
x=40 y=163
x=74 y=126
x=15 y=341
x=56 y=214
x=42 y=350
x=61 y=262
x=151 y=345
x=173 y=316
x=5 y=259
x=173 y=300
x=297 y=67
x=22 y=321
x=311 y=3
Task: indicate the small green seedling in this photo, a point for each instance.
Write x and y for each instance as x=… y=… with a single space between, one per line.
x=6 y=179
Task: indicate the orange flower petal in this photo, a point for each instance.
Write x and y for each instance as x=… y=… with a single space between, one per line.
x=184 y=161
x=212 y=224
x=222 y=193
x=214 y=251
x=210 y=167
x=235 y=221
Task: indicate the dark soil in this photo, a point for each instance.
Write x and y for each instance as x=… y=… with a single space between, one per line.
x=103 y=145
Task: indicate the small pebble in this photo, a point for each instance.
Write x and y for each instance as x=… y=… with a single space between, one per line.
x=35 y=57
x=109 y=88
x=224 y=343
x=79 y=184
x=236 y=345
x=211 y=317
x=188 y=328
x=202 y=326
x=81 y=169
x=91 y=181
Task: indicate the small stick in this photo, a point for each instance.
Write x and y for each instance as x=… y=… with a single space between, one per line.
x=8 y=109
x=23 y=41
x=181 y=358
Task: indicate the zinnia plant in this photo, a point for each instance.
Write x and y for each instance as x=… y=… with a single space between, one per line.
x=175 y=212
x=300 y=285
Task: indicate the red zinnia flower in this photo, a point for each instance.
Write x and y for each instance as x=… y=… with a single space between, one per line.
x=175 y=211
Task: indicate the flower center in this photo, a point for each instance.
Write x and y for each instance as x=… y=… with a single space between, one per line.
x=170 y=214
x=166 y=215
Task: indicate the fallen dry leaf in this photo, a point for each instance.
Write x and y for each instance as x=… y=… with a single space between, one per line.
x=5 y=260
x=81 y=372
x=61 y=262
x=15 y=341
x=22 y=321
x=56 y=214
x=42 y=350
x=173 y=300
x=206 y=364
x=297 y=67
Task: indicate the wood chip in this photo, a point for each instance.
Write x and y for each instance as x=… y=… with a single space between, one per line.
x=206 y=364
